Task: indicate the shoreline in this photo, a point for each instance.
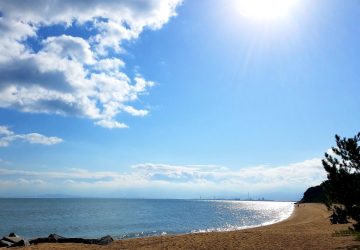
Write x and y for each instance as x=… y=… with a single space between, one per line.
x=307 y=227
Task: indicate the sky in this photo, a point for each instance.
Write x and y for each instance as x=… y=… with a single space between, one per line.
x=174 y=99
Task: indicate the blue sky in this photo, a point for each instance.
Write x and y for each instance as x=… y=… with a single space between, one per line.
x=174 y=99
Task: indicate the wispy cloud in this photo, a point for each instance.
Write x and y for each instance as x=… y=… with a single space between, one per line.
x=180 y=179
x=71 y=75
x=2 y=161
x=7 y=136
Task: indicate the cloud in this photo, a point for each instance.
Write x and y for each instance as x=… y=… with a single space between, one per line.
x=73 y=48
x=190 y=180
x=66 y=74
x=2 y=161
x=135 y=112
x=5 y=131
x=35 y=138
x=7 y=137
x=309 y=171
x=111 y=124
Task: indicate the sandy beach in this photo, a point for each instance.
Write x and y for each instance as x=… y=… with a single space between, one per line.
x=307 y=228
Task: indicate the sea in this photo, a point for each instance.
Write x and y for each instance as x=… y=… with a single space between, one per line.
x=129 y=218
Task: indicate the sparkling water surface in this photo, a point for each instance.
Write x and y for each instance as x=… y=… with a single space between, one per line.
x=127 y=218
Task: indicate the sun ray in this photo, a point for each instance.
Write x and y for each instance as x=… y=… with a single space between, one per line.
x=265 y=9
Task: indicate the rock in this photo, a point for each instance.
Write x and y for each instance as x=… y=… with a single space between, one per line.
x=21 y=243
x=74 y=240
x=105 y=240
x=4 y=243
x=13 y=235
x=55 y=237
x=12 y=239
x=39 y=240
x=52 y=238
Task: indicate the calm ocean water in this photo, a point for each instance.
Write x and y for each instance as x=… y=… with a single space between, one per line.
x=125 y=218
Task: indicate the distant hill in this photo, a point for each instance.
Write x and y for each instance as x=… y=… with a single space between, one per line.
x=314 y=195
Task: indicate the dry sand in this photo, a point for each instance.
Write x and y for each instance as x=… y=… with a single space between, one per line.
x=307 y=228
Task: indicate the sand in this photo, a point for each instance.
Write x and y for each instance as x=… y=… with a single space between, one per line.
x=307 y=228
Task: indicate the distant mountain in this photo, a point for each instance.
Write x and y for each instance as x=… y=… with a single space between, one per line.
x=56 y=196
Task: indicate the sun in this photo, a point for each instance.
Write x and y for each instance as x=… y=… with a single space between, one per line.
x=265 y=9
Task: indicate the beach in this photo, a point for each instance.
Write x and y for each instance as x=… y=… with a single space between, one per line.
x=307 y=228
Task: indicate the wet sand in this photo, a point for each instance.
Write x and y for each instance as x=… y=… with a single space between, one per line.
x=307 y=228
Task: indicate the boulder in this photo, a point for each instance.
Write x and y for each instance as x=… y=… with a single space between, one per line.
x=105 y=240
x=39 y=240
x=12 y=239
x=21 y=243
x=75 y=240
x=13 y=235
x=55 y=237
x=4 y=243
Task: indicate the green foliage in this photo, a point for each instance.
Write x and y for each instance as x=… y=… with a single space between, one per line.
x=348 y=232
x=314 y=195
x=343 y=184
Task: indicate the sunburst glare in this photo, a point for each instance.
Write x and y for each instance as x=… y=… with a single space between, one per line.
x=265 y=9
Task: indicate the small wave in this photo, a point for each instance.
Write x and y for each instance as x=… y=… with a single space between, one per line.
x=141 y=234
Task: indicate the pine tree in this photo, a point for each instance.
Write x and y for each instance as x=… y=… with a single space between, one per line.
x=343 y=184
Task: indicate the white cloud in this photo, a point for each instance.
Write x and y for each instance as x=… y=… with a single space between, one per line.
x=68 y=47
x=111 y=124
x=135 y=112
x=22 y=181
x=179 y=179
x=68 y=75
x=109 y=65
x=2 y=161
x=309 y=171
x=7 y=137
x=35 y=138
x=5 y=131
x=331 y=152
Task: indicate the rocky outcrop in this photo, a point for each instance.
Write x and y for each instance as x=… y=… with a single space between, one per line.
x=14 y=240
x=54 y=238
